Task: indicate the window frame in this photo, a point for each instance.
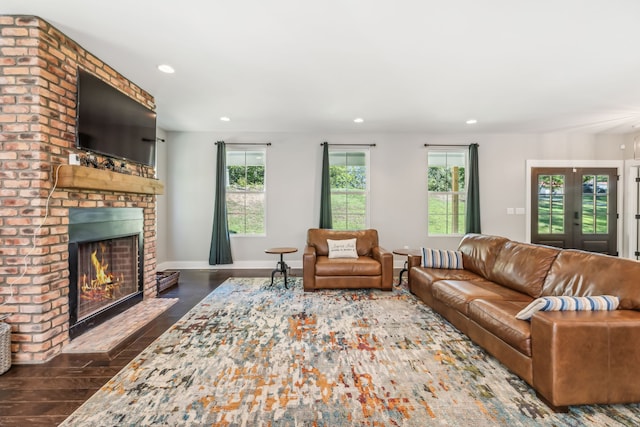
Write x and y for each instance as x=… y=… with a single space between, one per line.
x=239 y=148
x=454 y=149
x=367 y=192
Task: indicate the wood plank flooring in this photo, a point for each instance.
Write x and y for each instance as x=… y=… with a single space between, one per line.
x=46 y=394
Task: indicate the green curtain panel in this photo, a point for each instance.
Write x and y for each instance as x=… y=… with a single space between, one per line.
x=325 y=190
x=220 y=252
x=473 y=193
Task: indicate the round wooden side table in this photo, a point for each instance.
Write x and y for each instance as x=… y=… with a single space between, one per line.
x=405 y=252
x=281 y=267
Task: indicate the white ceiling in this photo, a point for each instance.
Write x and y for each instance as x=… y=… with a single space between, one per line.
x=402 y=65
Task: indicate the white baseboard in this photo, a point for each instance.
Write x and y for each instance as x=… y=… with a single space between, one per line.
x=238 y=265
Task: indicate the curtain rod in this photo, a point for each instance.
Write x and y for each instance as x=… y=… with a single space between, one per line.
x=246 y=143
x=448 y=145
x=352 y=145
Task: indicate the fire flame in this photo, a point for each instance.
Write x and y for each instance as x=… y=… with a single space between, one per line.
x=104 y=284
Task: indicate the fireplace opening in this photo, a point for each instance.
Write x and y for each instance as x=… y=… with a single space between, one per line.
x=105 y=264
x=107 y=272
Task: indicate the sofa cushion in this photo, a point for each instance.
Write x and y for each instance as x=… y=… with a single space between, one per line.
x=479 y=252
x=564 y=303
x=439 y=258
x=498 y=317
x=363 y=266
x=578 y=273
x=523 y=267
x=431 y=275
x=459 y=293
x=342 y=248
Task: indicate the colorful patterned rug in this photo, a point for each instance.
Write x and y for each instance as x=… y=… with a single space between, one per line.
x=254 y=355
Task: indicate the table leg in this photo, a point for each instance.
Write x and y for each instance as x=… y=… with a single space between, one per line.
x=284 y=270
x=281 y=268
x=404 y=270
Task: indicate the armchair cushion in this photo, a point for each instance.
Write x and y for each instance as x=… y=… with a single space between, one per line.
x=345 y=248
x=365 y=266
x=366 y=240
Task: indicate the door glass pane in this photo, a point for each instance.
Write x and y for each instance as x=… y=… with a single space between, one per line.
x=595 y=204
x=551 y=204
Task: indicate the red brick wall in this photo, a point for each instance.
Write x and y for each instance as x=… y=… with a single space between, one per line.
x=38 y=68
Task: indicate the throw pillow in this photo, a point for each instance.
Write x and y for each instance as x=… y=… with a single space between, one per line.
x=437 y=258
x=565 y=303
x=342 y=248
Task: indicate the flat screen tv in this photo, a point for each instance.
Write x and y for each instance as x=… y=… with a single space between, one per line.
x=113 y=124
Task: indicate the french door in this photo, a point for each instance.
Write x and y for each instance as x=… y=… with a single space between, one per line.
x=575 y=208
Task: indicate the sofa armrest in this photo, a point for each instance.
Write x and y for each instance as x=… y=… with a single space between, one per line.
x=413 y=261
x=586 y=357
x=385 y=258
x=309 y=268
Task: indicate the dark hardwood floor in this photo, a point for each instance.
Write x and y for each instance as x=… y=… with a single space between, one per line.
x=46 y=394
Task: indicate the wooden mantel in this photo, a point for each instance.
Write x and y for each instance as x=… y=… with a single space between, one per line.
x=82 y=177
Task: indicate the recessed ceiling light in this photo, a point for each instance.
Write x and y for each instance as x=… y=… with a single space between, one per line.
x=225 y=119
x=166 y=68
x=358 y=120
x=471 y=121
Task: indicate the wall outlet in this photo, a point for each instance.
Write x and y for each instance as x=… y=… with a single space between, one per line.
x=74 y=159
x=519 y=211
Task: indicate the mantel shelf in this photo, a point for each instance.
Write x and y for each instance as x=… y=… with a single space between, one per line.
x=86 y=178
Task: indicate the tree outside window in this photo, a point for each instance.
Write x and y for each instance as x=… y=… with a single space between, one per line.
x=349 y=189
x=446 y=191
x=246 y=196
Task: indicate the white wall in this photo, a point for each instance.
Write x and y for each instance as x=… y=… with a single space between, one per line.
x=398 y=188
x=161 y=200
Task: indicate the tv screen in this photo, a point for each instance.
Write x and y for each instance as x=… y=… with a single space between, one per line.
x=113 y=124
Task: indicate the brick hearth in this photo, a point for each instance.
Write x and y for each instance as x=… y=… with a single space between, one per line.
x=38 y=69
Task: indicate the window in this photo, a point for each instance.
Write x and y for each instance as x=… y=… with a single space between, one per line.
x=246 y=191
x=348 y=172
x=446 y=191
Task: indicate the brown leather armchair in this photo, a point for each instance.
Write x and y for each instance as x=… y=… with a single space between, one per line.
x=372 y=269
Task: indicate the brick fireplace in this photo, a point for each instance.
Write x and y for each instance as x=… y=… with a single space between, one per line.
x=38 y=69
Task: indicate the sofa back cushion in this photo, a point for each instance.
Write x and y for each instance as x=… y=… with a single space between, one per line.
x=581 y=274
x=523 y=267
x=366 y=240
x=479 y=252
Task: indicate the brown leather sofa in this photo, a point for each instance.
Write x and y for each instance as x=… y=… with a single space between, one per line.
x=372 y=269
x=568 y=357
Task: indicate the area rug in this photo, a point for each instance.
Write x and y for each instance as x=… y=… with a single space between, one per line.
x=254 y=355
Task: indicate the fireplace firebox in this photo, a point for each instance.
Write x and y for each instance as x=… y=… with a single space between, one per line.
x=105 y=264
